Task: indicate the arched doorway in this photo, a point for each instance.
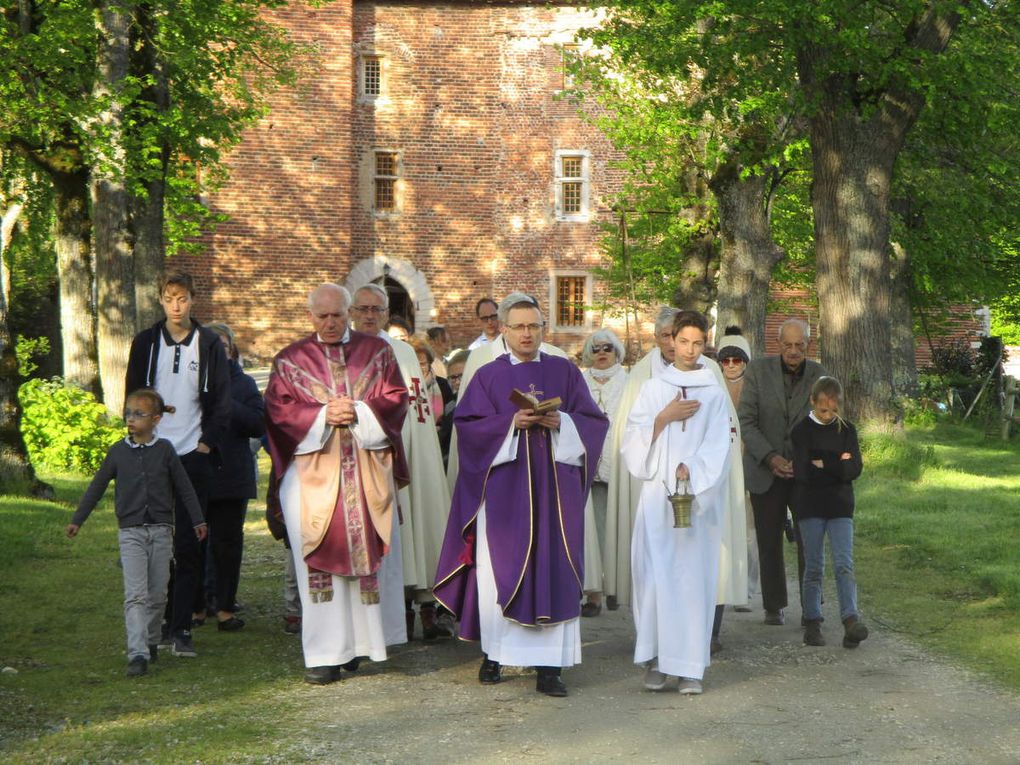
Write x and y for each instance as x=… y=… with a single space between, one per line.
x=400 y=300
x=407 y=287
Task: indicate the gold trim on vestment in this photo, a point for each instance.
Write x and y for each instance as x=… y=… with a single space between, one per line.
x=559 y=510
x=531 y=530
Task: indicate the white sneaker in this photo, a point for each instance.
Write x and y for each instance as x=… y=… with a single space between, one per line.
x=654 y=679
x=689 y=686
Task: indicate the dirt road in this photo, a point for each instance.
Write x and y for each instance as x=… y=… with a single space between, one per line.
x=768 y=699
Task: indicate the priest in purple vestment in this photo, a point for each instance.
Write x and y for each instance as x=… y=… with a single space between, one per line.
x=335 y=405
x=513 y=557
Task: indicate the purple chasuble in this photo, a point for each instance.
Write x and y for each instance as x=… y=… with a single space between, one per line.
x=534 y=507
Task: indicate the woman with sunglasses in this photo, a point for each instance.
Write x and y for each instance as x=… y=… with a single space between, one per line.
x=733 y=354
x=602 y=357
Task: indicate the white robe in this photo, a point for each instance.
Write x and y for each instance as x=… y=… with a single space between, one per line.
x=335 y=631
x=425 y=502
x=506 y=641
x=625 y=492
x=478 y=358
x=676 y=571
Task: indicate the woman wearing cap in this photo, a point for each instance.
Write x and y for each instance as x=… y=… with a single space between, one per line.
x=602 y=358
x=733 y=354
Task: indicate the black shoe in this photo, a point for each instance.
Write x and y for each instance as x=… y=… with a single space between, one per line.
x=612 y=603
x=813 y=633
x=775 y=618
x=490 y=672
x=854 y=632
x=182 y=645
x=233 y=624
x=590 y=609
x=353 y=664
x=153 y=653
x=137 y=667
x=322 y=675
x=549 y=682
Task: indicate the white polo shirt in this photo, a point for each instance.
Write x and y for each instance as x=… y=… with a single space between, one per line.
x=177 y=383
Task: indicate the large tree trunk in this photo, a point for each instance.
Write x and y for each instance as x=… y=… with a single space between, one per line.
x=698 y=263
x=147 y=212
x=72 y=234
x=850 y=199
x=904 y=355
x=856 y=135
x=114 y=259
x=748 y=254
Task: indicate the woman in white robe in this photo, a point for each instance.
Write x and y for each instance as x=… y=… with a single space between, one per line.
x=676 y=571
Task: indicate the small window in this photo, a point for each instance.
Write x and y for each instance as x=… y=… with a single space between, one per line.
x=569 y=55
x=570 y=300
x=572 y=185
x=371 y=75
x=385 y=179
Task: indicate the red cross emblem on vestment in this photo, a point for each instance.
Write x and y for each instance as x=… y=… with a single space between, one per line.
x=418 y=400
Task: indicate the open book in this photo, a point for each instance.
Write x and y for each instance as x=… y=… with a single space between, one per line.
x=527 y=401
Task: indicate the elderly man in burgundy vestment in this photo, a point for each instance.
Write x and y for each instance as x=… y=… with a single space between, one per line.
x=335 y=405
x=512 y=565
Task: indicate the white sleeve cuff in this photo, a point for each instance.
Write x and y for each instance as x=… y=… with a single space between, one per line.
x=367 y=431
x=317 y=435
x=568 y=447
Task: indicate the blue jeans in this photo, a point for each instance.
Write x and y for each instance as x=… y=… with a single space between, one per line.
x=841 y=545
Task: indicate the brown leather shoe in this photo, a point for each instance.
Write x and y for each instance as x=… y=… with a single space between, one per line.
x=854 y=631
x=813 y=633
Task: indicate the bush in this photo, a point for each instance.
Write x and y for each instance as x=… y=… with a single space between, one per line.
x=64 y=427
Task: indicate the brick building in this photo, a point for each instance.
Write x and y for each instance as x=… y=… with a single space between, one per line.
x=431 y=152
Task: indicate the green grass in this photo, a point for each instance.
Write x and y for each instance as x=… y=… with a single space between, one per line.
x=62 y=628
x=938 y=559
x=938 y=543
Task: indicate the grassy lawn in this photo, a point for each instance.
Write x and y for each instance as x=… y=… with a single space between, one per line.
x=938 y=543
x=61 y=622
x=938 y=559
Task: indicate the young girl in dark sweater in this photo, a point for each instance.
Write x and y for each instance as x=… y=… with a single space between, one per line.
x=826 y=460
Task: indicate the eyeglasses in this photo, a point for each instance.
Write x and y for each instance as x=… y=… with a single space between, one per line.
x=137 y=414
x=602 y=349
x=490 y=317
x=369 y=309
x=522 y=327
x=731 y=361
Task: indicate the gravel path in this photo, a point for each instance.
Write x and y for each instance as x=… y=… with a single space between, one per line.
x=768 y=699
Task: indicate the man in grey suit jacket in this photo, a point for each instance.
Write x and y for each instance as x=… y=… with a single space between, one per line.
x=776 y=396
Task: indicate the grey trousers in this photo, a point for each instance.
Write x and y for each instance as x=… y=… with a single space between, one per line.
x=291 y=595
x=145 y=553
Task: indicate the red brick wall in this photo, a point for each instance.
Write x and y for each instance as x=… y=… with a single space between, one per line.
x=470 y=103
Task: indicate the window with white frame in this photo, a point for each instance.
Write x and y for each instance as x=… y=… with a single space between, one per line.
x=572 y=185
x=370 y=77
x=569 y=300
x=386 y=173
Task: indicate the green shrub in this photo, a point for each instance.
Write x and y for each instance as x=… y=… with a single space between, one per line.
x=64 y=427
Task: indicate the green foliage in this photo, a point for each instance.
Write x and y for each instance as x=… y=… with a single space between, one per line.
x=890 y=455
x=64 y=427
x=28 y=349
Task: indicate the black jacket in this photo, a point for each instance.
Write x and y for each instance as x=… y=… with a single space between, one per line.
x=234 y=477
x=213 y=377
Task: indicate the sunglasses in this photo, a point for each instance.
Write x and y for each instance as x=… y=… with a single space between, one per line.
x=731 y=361
x=602 y=349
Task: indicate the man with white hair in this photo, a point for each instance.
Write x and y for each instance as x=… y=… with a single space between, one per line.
x=335 y=406
x=425 y=503
x=776 y=396
x=625 y=491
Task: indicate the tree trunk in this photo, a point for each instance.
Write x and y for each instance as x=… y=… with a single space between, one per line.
x=113 y=251
x=748 y=254
x=903 y=343
x=850 y=199
x=148 y=212
x=72 y=240
x=699 y=260
x=16 y=473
